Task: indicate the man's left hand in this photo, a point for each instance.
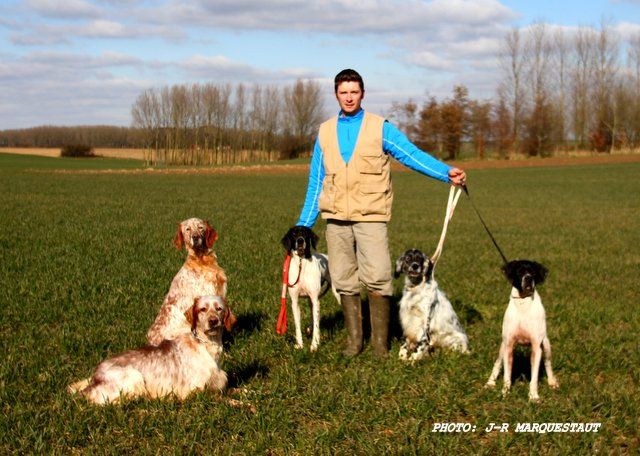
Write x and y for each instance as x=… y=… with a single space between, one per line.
x=457 y=176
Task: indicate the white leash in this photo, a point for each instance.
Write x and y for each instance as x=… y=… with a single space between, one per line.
x=454 y=195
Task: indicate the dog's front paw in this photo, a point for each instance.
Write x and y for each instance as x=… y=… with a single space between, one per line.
x=219 y=380
x=553 y=383
x=314 y=347
x=298 y=346
x=490 y=384
x=533 y=397
x=505 y=389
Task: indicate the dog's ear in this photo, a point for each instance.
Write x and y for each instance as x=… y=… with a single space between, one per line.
x=191 y=314
x=210 y=235
x=178 y=240
x=541 y=273
x=399 y=263
x=308 y=236
x=313 y=237
x=286 y=241
x=509 y=271
x=228 y=319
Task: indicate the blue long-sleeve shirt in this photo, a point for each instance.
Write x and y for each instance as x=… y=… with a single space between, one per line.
x=394 y=143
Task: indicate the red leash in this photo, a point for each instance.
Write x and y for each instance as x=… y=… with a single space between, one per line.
x=281 y=326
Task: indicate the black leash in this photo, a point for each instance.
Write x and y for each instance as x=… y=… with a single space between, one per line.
x=504 y=258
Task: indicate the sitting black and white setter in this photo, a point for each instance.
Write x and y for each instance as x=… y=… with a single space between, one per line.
x=308 y=276
x=426 y=315
x=524 y=323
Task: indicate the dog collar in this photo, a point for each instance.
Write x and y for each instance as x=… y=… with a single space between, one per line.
x=198 y=338
x=521 y=297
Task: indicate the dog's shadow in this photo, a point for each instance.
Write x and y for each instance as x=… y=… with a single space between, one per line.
x=467 y=314
x=249 y=322
x=521 y=370
x=245 y=324
x=246 y=373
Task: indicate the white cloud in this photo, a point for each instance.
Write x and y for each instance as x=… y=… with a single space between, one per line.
x=74 y=89
x=70 y=9
x=430 y=61
x=40 y=35
x=628 y=30
x=10 y=24
x=104 y=28
x=222 y=68
x=375 y=17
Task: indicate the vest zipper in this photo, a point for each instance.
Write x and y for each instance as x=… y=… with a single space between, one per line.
x=347 y=187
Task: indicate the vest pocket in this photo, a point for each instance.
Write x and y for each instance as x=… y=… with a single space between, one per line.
x=371 y=164
x=373 y=198
x=327 y=198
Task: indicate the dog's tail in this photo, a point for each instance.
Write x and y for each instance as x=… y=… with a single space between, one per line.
x=326 y=285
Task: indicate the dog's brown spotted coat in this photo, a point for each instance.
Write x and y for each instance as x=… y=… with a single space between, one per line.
x=200 y=275
x=179 y=366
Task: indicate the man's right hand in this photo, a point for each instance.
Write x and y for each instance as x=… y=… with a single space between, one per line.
x=457 y=176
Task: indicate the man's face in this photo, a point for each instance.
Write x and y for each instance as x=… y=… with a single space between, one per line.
x=349 y=97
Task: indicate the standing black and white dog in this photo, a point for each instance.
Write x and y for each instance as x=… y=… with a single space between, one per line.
x=524 y=323
x=308 y=275
x=426 y=315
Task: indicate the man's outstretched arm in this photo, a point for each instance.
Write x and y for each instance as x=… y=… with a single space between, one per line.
x=399 y=147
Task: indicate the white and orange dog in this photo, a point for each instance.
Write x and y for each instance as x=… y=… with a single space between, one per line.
x=200 y=275
x=180 y=366
x=524 y=323
x=308 y=274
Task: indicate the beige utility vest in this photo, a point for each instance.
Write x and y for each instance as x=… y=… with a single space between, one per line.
x=358 y=191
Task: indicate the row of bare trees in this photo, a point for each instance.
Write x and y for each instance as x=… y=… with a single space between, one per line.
x=219 y=123
x=559 y=90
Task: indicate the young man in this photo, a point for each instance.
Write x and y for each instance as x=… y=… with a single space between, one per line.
x=350 y=185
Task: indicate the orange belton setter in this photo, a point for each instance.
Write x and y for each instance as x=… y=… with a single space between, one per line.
x=200 y=275
x=180 y=366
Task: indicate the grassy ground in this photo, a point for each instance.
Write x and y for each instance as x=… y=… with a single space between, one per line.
x=87 y=259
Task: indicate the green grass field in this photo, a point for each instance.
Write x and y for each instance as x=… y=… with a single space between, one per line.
x=87 y=258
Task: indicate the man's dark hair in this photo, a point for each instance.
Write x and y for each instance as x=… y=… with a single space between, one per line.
x=348 y=75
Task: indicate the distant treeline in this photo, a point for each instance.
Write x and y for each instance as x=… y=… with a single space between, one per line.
x=52 y=136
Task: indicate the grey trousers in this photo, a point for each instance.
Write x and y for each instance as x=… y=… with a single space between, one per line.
x=359 y=253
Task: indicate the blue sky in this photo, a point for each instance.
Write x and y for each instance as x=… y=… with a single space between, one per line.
x=71 y=62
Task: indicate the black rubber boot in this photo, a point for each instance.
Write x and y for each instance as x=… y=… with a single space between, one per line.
x=352 y=310
x=379 y=310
